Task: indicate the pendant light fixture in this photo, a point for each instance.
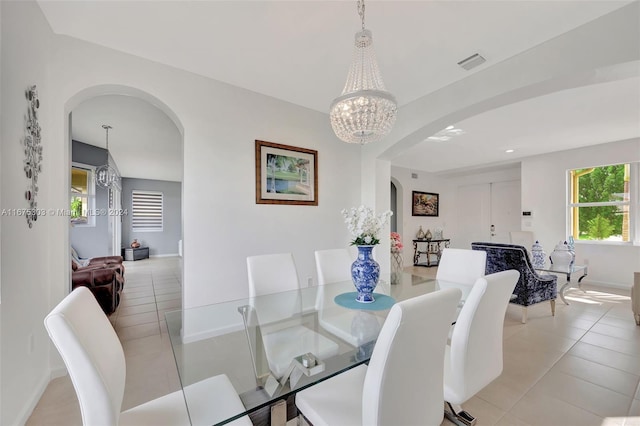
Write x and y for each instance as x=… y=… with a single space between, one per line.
x=365 y=111
x=106 y=175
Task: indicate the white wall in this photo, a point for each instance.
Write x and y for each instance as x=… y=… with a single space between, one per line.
x=160 y=243
x=544 y=192
x=222 y=223
x=25 y=253
x=426 y=182
x=481 y=208
x=451 y=205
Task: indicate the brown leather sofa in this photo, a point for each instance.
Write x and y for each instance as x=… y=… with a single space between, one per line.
x=100 y=262
x=104 y=276
x=104 y=281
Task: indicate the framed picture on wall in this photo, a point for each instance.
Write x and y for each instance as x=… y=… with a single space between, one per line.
x=424 y=203
x=286 y=174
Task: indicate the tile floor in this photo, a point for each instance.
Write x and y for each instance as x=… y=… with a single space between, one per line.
x=152 y=287
x=577 y=368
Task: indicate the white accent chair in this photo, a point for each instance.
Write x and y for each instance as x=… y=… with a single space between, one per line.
x=461 y=265
x=95 y=360
x=402 y=383
x=282 y=334
x=474 y=358
x=355 y=328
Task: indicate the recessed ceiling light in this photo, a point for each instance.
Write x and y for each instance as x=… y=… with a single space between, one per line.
x=446 y=134
x=509 y=151
x=437 y=138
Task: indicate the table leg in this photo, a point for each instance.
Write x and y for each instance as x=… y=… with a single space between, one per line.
x=563 y=289
x=580 y=279
x=279 y=413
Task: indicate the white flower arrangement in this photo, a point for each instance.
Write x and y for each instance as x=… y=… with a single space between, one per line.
x=364 y=225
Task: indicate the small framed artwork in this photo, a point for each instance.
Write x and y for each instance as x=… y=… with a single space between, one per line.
x=424 y=203
x=286 y=174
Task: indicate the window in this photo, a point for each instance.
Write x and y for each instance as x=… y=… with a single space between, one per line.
x=600 y=202
x=146 y=208
x=83 y=196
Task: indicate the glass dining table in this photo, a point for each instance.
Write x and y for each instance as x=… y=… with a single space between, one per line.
x=232 y=338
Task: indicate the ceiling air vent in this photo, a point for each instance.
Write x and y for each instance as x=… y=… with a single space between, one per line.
x=472 y=61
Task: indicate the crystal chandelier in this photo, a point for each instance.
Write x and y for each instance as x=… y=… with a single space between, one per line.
x=107 y=176
x=365 y=111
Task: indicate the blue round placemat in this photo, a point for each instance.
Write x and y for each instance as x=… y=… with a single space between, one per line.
x=348 y=300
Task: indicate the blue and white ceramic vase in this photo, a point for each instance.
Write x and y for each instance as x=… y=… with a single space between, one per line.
x=572 y=248
x=365 y=272
x=538 y=256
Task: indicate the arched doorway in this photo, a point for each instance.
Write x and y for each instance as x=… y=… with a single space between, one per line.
x=396 y=206
x=134 y=115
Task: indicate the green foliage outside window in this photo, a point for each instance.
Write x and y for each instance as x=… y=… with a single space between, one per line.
x=602 y=184
x=76 y=207
x=600 y=228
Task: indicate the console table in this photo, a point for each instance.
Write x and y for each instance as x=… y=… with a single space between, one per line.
x=428 y=248
x=135 y=253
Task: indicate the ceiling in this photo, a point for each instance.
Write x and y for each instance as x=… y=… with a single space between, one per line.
x=143 y=142
x=299 y=51
x=563 y=120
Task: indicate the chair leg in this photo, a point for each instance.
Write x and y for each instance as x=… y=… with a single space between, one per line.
x=458 y=416
x=553 y=307
x=524 y=314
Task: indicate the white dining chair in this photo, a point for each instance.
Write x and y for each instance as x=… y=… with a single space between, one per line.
x=402 y=383
x=333 y=265
x=474 y=358
x=282 y=339
x=95 y=361
x=354 y=327
x=271 y=273
x=461 y=265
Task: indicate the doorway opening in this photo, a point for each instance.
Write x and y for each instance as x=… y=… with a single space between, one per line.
x=146 y=147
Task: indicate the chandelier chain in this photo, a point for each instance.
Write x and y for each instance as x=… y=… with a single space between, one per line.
x=361 y=11
x=107 y=127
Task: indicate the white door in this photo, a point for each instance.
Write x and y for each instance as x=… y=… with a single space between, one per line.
x=115 y=221
x=487 y=212
x=474 y=214
x=505 y=210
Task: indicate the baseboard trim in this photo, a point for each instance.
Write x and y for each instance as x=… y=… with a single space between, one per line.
x=165 y=255
x=58 y=372
x=207 y=334
x=28 y=408
x=603 y=284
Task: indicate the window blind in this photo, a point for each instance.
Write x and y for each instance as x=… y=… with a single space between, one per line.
x=146 y=209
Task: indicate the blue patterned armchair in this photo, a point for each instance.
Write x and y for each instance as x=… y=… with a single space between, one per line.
x=531 y=287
